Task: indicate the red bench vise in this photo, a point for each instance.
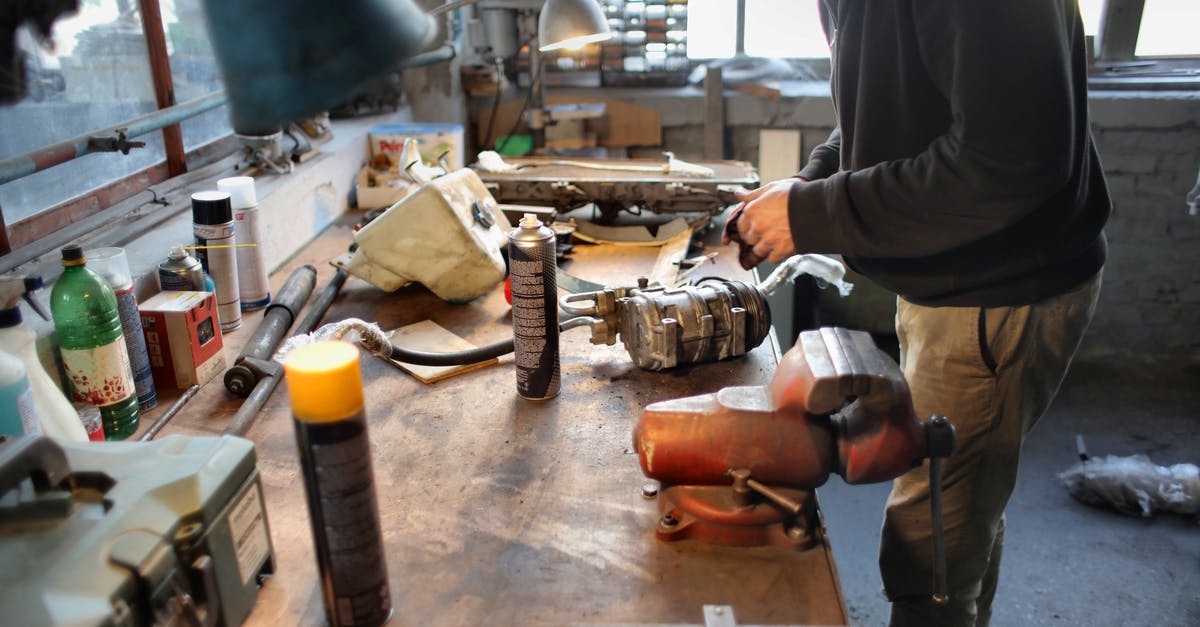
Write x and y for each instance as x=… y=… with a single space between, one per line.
x=737 y=467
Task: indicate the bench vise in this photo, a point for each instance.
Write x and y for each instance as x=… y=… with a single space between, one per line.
x=738 y=466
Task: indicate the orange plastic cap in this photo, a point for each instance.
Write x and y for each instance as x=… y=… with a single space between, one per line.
x=324 y=381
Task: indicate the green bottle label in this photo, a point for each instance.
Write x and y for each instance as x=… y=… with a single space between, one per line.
x=101 y=375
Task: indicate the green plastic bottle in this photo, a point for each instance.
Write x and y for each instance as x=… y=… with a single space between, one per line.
x=88 y=324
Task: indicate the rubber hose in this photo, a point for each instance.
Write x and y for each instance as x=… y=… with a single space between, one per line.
x=462 y=358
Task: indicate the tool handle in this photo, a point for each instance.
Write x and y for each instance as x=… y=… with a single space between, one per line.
x=32 y=457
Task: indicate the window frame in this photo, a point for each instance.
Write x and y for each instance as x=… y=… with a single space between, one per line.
x=176 y=161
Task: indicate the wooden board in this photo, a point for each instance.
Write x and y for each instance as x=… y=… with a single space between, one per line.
x=430 y=337
x=623 y=124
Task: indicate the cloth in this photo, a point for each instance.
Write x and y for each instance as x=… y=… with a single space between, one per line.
x=746 y=255
x=962 y=171
x=992 y=371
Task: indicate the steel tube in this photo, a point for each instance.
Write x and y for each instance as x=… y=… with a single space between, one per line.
x=241 y=379
x=46 y=157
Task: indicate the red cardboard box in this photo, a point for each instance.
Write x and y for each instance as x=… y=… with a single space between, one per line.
x=183 y=338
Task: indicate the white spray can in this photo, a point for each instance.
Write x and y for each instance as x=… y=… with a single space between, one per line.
x=254 y=288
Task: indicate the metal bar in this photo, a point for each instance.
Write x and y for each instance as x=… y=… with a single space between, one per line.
x=169 y=414
x=450 y=6
x=164 y=87
x=445 y=52
x=1120 y=22
x=940 y=594
x=739 y=47
x=43 y=158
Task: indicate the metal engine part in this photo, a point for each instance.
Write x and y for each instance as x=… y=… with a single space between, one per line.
x=664 y=327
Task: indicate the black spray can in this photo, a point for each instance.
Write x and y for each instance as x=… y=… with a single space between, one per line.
x=533 y=276
x=212 y=225
x=325 y=386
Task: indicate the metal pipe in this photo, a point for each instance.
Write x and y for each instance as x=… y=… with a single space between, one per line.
x=445 y=52
x=101 y=140
x=266 y=385
x=450 y=6
x=164 y=86
x=243 y=376
x=169 y=414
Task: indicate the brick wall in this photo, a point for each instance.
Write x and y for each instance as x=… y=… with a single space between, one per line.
x=1150 y=147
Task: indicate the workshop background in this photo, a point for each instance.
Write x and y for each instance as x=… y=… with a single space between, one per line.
x=1134 y=389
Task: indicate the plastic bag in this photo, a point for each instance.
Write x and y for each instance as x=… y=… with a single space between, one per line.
x=1135 y=485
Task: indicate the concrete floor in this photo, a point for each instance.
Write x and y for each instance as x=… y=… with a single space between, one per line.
x=1066 y=563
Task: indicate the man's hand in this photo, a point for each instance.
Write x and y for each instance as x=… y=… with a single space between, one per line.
x=763 y=224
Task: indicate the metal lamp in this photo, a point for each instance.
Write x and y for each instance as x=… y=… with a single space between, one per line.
x=571 y=24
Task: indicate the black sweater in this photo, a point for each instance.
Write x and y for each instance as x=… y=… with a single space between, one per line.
x=962 y=171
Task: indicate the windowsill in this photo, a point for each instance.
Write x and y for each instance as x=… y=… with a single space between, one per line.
x=808 y=103
x=293 y=208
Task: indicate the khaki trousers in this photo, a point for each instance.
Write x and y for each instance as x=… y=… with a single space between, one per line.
x=992 y=371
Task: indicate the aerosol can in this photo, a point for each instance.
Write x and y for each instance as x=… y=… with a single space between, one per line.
x=533 y=275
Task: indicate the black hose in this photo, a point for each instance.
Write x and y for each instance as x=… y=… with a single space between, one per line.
x=458 y=358
x=473 y=356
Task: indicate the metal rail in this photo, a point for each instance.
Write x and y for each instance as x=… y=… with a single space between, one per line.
x=107 y=139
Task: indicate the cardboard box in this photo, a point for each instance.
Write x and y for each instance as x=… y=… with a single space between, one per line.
x=381 y=194
x=183 y=338
x=433 y=139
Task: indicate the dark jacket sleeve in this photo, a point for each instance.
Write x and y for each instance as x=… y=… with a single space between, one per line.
x=1005 y=69
x=825 y=159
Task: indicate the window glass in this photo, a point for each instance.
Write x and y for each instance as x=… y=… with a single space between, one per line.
x=1169 y=28
x=711 y=29
x=94 y=73
x=1090 y=11
x=194 y=70
x=784 y=29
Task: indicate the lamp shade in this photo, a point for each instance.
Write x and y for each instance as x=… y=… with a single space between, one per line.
x=571 y=24
x=284 y=61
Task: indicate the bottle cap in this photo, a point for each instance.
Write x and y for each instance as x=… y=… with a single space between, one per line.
x=211 y=207
x=324 y=381
x=240 y=190
x=72 y=255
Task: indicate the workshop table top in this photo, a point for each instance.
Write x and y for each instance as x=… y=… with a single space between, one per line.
x=498 y=510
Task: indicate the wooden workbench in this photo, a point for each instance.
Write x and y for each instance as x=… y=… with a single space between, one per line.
x=498 y=510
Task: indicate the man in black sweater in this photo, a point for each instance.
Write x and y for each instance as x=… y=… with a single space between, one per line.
x=961 y=176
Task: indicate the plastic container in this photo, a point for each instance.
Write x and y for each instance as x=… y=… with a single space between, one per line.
x=17 y=416
x=112 y=264
x=92 y=340
x=55 y=415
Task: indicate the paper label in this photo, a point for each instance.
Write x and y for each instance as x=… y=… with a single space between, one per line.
x=249 y=530
x=101 y=375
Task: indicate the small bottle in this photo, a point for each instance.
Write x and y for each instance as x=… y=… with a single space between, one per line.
x=112 y=264
x=325 y=387
x=92 y=341
x=57 y=417
x=17 y=415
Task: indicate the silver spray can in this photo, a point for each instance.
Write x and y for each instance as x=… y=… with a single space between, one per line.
x=254 y=288
x=113 y=264
x=532 y=275
x=180 y=272
x=212 y=224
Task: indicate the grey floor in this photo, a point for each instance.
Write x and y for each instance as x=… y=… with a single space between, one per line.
x=1066 y=563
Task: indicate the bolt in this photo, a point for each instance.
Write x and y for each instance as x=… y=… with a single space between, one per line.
x=649 y=490
x=668 y=520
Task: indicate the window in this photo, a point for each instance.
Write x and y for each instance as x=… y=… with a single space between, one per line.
x=94 y=74
x=1169 y=29
x=771 y=28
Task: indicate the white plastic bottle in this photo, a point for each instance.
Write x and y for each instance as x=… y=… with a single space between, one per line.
x=57 y=417
x=17 y=415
